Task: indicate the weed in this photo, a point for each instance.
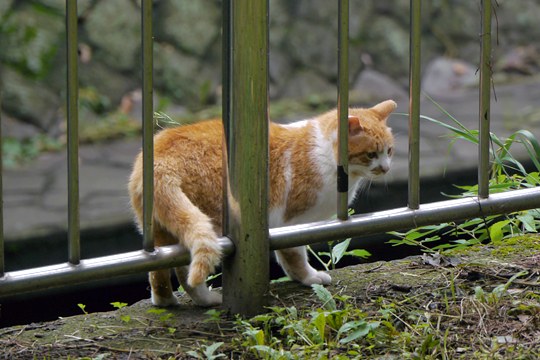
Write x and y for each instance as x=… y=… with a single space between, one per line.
x=119 y=305
x=507 y=173
x=207 y=352
x=83 y=308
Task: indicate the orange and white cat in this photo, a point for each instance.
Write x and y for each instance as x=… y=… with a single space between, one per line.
x=302 y=175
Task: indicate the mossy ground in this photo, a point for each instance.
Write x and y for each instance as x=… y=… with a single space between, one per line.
x=478 y=304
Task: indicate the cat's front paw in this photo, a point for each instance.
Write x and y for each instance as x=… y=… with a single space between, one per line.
x=320 y=277
x=161 y=301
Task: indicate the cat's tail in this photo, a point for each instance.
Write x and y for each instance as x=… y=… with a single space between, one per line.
x=175 y=212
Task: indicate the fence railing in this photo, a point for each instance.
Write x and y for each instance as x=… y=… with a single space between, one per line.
x=245 y=89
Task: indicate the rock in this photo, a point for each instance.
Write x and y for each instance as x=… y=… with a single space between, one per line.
x=173 y=73
x=312 y=48
x=376 y=86
x=522 y=60
x=446 y=77
x=29 y=100
x=14 y=128
x=305 y=84
x=106 y=81
x=193 y=26
x=388 y=44
x=115 y=17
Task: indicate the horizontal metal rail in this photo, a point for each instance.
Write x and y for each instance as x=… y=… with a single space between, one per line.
x=99 y=268
x=280 y=238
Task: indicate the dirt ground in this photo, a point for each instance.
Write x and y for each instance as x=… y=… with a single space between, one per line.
x=485 y=300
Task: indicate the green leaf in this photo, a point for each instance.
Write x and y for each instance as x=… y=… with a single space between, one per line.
x=325 y=297
x=339 y=250
x=359 y=253
x=118 y=304
x=319 y=322
x=496 y=230
x=358 y=329
x=210 y=349
x=83 y=308
x=528 y=221
x=155 y=311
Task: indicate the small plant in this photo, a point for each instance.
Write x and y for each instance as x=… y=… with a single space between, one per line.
x=83 y=308
x=338 y=250
x=287 y=333
x=119 y=305
x=207 y=352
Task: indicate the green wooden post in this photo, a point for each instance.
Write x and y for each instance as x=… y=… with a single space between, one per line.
x=2 y=255
x=414 y=104
x=246 y=273
x=148 y=125
x=343 y=111
x=485 y=99
x=73 y=132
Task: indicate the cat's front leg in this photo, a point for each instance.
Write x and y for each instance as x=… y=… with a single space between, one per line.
x=294 y=262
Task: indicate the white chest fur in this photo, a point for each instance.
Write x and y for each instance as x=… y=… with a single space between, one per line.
x=325 y=207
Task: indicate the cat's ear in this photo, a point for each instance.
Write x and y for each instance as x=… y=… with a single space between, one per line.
x=385 y=108
x=355 y=127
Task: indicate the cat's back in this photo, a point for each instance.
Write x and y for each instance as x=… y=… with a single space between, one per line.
x=200 y=138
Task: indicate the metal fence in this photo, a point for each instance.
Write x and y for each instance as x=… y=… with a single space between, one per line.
x=245 y=106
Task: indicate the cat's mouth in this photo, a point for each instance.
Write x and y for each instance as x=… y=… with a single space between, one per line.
x=379 y=171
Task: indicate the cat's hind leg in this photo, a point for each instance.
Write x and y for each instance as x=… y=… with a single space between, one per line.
x=162 y=292
x=160 y=280
x=200 y=294
x=294 y=262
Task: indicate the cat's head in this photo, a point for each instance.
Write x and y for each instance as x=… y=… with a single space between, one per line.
x=370 y=140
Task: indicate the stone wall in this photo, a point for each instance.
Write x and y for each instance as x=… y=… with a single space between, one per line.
x=303 y=40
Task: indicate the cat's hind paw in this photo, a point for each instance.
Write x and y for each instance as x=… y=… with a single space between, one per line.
x=209 y=299
x=320 y=277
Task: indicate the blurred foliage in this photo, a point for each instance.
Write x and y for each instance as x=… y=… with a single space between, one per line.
x=16 y=152
x=34 y=35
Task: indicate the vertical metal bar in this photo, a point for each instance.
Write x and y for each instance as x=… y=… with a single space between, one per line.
x=2 y=258
x=343 y=110
x=148 y=125
x=225 y=100
x=73 y=132
x=414 y=105
x=485 y=78
x=246 y=273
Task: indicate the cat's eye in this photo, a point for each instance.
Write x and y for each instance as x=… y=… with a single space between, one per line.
x=371 y=155
x=390 y=151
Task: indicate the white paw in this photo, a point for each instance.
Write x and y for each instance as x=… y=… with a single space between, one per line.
x=164 y=301
x=320 y=277
x=210 y=298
